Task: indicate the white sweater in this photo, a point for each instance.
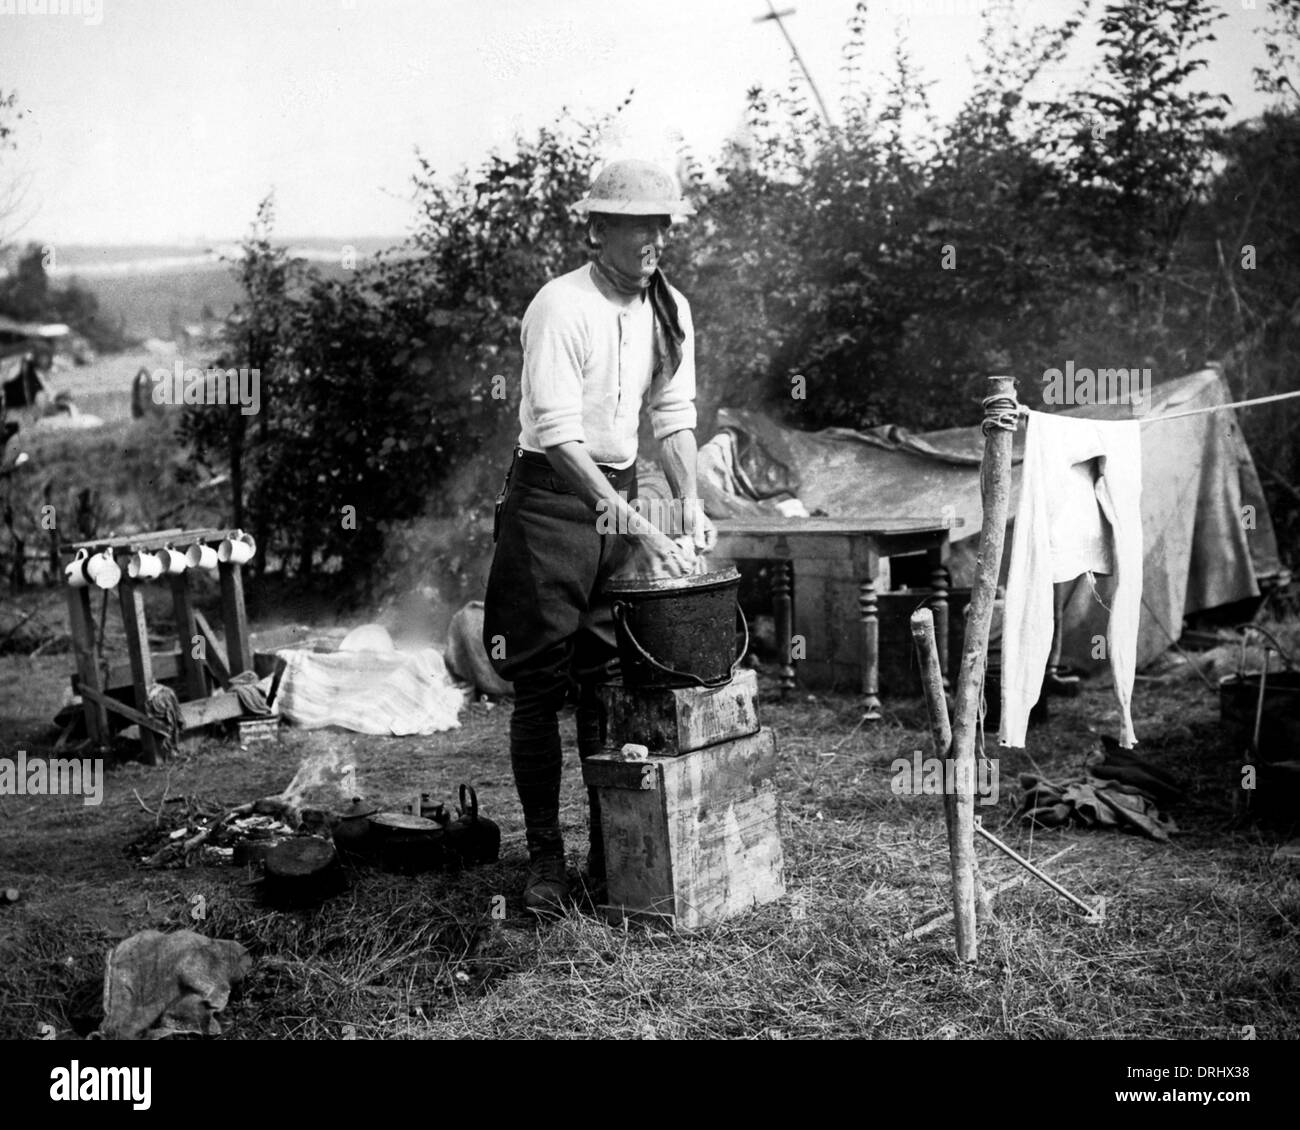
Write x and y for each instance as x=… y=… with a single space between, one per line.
x=588 y=365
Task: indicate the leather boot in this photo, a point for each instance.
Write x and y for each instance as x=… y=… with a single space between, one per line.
x=546 y=890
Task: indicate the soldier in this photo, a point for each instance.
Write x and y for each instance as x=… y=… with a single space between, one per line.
x=598 y=342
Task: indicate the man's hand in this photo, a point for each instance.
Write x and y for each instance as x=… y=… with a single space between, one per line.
x=699 y=528
x=679 y=458
x=660 y=555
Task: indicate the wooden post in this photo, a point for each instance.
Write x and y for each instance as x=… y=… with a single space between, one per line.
x=187 y=628
x=1000 y=420
x=214 y=653
x=932 y=686
x=137 y=648
x=81 y=620
x=239 y=649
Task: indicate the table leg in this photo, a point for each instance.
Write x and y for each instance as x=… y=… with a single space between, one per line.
x=783 y=609
x=868 y=607
x=939 y=585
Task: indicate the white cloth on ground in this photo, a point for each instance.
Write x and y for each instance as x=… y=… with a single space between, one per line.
x=1067 y=525
x=382 y=691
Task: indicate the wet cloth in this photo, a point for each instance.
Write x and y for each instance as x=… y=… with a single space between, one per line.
x=1080 y=512
x=157 y=984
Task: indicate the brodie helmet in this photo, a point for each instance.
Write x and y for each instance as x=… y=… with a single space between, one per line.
x=634 y=188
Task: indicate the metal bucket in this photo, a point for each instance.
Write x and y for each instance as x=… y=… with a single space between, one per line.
x=678 y=631
x=1279 y=713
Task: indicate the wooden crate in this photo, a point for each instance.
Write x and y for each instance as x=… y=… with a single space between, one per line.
x=670 y=723
x=690 y=840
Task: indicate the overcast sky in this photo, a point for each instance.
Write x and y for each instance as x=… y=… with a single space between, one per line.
x=167 y=120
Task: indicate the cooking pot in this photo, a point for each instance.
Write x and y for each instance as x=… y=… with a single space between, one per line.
x=678 y=631
x=302 y=871
x=407 y=844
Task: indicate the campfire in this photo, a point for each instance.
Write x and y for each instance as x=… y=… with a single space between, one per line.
x=302 y=835
x=202 y=834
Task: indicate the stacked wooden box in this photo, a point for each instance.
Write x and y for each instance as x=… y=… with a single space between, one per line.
x=691 y=833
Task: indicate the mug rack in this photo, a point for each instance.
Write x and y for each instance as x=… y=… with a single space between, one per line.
x=200 y=679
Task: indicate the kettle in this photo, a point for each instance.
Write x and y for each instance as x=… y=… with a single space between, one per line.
x=352 y=832
x=471 y=838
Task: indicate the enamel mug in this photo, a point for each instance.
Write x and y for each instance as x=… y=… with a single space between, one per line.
x=75 y=570
x=201 y=556
x=173 y=561
x=104 y=570
x=238 y=548
x=144 y=566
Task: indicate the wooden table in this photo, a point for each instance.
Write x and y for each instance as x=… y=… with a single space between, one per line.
x=863 y=542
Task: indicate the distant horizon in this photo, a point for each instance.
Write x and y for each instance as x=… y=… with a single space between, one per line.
x=163 y=122
x=90 y=260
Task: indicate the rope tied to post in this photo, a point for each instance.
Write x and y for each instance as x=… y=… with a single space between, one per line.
x=1000 y=412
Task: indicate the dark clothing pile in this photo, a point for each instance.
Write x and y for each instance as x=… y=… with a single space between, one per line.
x=1120 y=790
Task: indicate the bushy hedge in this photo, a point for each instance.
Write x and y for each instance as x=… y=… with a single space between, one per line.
x=891 y=261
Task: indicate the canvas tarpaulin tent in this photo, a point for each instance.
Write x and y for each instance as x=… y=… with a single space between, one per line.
x=1207 y=533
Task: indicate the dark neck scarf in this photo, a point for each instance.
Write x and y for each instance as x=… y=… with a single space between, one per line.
x=669 y=334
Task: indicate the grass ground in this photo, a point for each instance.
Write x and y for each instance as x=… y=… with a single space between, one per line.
x=1198 y=941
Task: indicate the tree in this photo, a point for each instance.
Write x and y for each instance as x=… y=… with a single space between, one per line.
x=1136 y=145
x=27 y=294
x=252 y=336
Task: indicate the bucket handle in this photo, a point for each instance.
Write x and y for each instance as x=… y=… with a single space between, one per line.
x=695 y=680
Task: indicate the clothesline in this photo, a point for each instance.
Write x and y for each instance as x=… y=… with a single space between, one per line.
x=1025 y=410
